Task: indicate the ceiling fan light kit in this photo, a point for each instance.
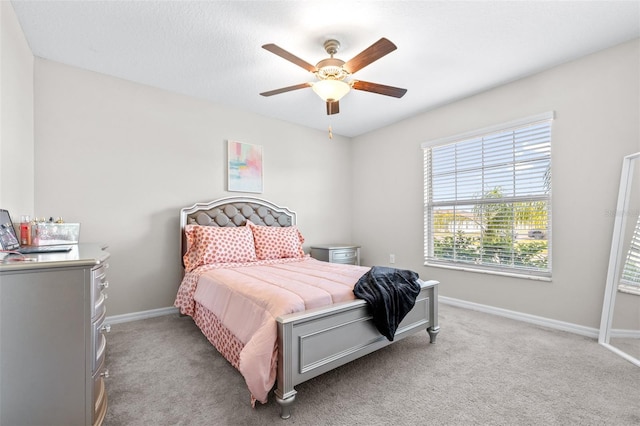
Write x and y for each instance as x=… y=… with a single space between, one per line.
x=332 y=73
x=331 y=90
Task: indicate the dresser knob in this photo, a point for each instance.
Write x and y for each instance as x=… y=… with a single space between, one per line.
x=105 y=373
x=106 y=328
x=104 y=285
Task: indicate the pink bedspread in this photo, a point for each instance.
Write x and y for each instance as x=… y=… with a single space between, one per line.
x=248 y=298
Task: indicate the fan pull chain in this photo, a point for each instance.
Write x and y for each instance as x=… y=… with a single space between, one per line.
x=330 y=129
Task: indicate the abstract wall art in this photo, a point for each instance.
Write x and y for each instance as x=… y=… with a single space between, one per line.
x=244 y=167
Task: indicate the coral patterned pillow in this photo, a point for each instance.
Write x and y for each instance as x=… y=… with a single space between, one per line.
x=212 y=244
x=274 y=242
x=190 y=257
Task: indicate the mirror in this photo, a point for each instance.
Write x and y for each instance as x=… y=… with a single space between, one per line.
x=620 y=323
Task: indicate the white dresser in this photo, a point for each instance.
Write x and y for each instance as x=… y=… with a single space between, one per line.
x=52 y=343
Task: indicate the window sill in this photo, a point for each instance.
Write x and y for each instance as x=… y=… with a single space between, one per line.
x=489 y=272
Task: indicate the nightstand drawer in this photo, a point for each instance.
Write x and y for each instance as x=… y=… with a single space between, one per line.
x=337 y=253
x=344 y=255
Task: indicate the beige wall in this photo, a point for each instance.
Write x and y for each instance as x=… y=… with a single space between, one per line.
x=16 y=116
x=597 y=105
x=123 y=158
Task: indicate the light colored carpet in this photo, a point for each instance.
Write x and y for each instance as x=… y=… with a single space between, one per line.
x=483 y=370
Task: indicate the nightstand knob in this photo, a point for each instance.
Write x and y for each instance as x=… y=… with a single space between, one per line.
x=106 y=328
x=105 y=373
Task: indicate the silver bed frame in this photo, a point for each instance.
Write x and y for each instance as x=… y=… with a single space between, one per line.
x=315 y=341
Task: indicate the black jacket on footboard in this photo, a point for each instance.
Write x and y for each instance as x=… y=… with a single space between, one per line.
x=390 y=293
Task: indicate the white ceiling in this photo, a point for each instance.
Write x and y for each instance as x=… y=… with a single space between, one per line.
x=212 y=49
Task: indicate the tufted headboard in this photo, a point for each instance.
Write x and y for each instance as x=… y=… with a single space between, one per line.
x=235 y=211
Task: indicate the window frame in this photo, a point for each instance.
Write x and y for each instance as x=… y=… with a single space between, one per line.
x=429 y=204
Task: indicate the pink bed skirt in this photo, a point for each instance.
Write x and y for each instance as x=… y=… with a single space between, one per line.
x=219 y=335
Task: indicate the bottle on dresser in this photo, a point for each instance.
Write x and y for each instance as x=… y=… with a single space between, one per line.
x=25 y=230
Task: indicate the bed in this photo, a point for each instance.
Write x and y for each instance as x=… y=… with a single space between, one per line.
x=235 y=247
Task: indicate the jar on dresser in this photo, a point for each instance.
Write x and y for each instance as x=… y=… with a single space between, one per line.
x=337 y=253
x=52 y=338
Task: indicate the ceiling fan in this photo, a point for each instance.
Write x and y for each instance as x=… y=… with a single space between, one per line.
x=333 y=73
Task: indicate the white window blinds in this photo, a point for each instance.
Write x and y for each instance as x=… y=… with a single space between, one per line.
x=630 y=280
x=488 y=198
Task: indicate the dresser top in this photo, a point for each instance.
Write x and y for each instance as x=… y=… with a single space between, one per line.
x=84 y=254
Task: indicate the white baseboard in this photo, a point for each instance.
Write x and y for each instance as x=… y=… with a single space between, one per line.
x=624 y=334
x=519 y=316
x=532 y=319
x=135 y=316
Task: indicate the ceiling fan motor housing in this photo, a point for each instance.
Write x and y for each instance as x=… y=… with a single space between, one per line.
x=331 y=68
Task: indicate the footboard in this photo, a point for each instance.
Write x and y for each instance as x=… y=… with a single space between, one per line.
x=316 y=341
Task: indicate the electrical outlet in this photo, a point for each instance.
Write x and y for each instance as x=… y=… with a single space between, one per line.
x=392 y=258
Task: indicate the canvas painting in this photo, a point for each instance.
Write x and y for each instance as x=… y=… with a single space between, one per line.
x=245 y=167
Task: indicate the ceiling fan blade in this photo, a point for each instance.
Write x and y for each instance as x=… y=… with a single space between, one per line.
x=372 y=53
x=380 y=89
x=286 y=89
x=333 y=107
x=289 y=57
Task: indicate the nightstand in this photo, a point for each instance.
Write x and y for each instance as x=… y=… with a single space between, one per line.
x=337 y=253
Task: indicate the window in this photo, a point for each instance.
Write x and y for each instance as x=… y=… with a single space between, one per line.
x=487 y=199
x=630 y=281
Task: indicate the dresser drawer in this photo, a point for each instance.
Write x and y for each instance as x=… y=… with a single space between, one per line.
x=99 y=306
x=98 y=342
x=98 y=284
x=99 y=395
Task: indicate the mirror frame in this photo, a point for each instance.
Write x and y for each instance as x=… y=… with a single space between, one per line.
x=617 y=256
